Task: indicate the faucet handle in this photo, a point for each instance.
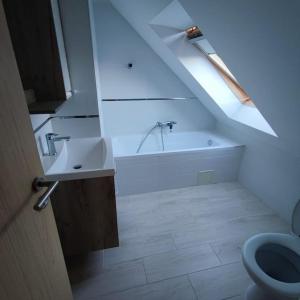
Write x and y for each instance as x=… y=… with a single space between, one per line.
x=171 y=122
x=50 y=135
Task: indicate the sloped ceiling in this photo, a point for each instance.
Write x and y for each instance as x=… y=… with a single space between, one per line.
x=140 y=14
x=166 y=17
x=258 y=40
x=150 y=77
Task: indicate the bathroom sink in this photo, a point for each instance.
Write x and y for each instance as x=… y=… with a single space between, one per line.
x=82 y=158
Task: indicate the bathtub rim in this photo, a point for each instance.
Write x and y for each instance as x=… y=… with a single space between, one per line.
x=181 y=151
x=223 y=142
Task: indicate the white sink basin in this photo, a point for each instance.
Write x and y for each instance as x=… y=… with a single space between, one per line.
x=82 y=158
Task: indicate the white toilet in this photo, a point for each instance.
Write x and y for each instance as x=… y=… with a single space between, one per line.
x=273 y=262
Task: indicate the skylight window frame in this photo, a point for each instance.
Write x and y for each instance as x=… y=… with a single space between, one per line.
x=225 y=73
x=230 y=80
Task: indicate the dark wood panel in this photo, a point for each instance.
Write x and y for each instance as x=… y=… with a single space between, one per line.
x=34 y=40
x=86 y=217
x=45 y=107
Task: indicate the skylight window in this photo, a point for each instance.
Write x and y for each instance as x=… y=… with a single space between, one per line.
x=230 y=80
x=196 y=36
x=193 y=51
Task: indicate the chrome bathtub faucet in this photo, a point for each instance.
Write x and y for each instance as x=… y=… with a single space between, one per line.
x=51 y=138
x=169 y=124
x=160 y=125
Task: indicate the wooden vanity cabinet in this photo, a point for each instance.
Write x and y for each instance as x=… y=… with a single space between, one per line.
x=86 y=216
x=37 y=39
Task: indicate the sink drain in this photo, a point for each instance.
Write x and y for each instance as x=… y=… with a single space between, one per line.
x=77 y=167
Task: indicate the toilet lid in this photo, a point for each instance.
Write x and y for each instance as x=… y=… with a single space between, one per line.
x=296 y=219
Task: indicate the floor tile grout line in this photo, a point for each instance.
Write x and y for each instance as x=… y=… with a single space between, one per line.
x=146 y=276
x=174 y=231
x=194 y=290
x=237 y=188
x=118 y=291
x=231 y=297
x=142 y=257
x=161 y=280
x=213 y=250
x=135 y=287
x=162 y=252
x=202 y=270
x=209 y=243
x=173 y=239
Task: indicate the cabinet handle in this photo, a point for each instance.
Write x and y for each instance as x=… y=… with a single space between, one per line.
x=43 y=201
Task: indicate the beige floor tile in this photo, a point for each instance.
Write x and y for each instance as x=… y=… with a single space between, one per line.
x=117 y=278
x=229 y=250
x=245 y=226
x=169 y=235
x=179 y=262
x=178 y=288
x=221 y=282
x=133 y=248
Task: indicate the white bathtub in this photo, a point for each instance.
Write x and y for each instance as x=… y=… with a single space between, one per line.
x=189 y=158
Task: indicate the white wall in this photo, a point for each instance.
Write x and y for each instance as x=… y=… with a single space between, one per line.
x=77 y=127
x=259 y=41
x=117 y=45
x=270 y=168
x=264 y=56
x=140 y=14
x=78 y=43
x=139 y=116
x=74 y=127
x=38 y=119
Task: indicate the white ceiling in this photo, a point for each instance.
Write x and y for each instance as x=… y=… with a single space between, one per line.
x=173 y=16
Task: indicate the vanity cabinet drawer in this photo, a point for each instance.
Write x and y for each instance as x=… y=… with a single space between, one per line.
x=85 y=213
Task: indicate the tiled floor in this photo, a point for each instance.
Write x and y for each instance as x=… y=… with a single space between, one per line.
x=178 y=244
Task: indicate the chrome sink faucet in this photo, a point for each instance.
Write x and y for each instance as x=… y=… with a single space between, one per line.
x=51 y=138
x=169 y=124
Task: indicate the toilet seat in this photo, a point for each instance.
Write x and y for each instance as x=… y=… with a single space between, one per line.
x=249 y=259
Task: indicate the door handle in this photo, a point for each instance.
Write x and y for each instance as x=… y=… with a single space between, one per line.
x=37 y=185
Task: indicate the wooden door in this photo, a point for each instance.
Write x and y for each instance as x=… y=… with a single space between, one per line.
x=31 y=261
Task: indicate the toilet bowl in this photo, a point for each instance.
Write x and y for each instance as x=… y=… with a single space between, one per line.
x=273 y=262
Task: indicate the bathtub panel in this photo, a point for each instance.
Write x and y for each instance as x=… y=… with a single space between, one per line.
x=148 y=173
x=186 y=154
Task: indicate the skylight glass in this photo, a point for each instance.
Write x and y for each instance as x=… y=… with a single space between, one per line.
x=217 y=59
x=204 y=46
